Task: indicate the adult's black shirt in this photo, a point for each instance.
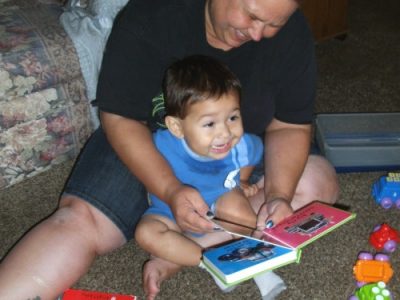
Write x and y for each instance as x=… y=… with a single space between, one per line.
x=278 y=74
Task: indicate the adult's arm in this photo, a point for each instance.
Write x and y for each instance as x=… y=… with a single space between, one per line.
x=286 y=153
x=133 y=143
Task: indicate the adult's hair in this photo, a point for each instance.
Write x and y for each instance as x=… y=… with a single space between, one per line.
x=196 y=78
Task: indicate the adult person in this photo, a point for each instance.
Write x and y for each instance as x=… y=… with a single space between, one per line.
x=268 y=45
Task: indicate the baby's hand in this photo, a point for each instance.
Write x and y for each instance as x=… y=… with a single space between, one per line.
x=249 y=190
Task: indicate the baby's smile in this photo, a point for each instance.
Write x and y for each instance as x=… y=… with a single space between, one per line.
x=221 y=148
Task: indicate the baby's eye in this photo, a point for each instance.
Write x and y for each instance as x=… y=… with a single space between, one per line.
x=209 y=124
x=234 y=118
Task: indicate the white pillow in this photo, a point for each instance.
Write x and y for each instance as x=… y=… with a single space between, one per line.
x=106 y=8
x=88 y=23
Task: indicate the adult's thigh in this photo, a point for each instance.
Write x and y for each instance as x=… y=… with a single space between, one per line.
x=318 y=182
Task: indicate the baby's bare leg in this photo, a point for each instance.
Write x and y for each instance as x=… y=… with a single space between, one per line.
x=235 y=207
x=163 y=238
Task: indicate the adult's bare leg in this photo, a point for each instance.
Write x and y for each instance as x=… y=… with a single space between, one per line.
x=57 y=252
x=318 y=182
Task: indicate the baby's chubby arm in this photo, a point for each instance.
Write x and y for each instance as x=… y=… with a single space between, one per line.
x=248 y=189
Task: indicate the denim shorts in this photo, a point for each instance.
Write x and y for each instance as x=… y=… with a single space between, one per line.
x=101 y=179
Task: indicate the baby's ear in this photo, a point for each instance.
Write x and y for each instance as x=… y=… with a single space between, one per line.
x=174 y=125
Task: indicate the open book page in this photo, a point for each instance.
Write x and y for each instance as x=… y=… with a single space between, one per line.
x=307 y=224
x=243 y=259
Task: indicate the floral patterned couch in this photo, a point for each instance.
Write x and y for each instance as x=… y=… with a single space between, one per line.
x=44 y=111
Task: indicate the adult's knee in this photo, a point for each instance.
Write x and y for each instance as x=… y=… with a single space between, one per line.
x=86 y=220
x=319 y=181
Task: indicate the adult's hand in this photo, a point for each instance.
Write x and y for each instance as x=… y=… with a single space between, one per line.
x=273 y=212
x=190 y=210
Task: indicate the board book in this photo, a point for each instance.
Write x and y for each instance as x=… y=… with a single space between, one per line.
x=72 y=294
x=307 y=225
x=281 y=245
x=244 y=258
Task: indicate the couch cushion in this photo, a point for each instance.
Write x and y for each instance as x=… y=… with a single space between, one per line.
x=44 y=111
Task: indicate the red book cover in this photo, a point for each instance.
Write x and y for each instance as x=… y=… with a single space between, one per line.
x=91 y=295
x=308 y=224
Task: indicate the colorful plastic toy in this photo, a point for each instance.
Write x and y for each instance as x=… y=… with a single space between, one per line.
x=372 y=269
x=386 y=191
x=372 y=291
x=384 y=238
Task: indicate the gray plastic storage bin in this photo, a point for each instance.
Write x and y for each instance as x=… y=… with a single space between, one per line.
x=360 y=140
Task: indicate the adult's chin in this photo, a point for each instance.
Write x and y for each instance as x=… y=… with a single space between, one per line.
x=236 y=43
x=232 y=44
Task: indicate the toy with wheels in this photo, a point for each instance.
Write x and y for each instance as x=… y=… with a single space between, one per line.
x=372 y=291
x=386 y=191
x=384 y=238
x=369 y=268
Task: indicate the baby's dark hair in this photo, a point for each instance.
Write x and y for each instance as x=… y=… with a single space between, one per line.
x=196 y=78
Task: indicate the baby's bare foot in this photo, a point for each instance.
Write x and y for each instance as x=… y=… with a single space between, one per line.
x=155 y=271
